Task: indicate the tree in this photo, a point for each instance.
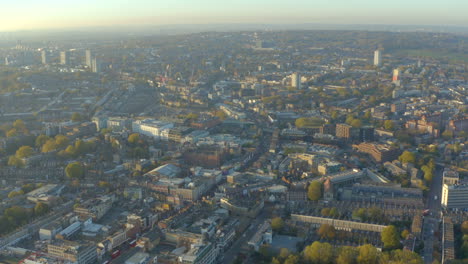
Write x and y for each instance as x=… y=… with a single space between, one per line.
x=41 y=209
x=14 y=161
x=320 y=253
x=13 y=194
x=405 y=233
x=76 y=117
x=314 y=192
x=347 y=255
x=19 y=125
x=284 y=253
x=277 y=224
x=390 y=237
x=308 y=122
x=356 y=123
x=464 y=227
x=448 y=134
x=405 y=256
x=41 y=140
x=133 y=138
x=292 y=259
x=325 y=212
x=61 y=141
x=407 y=157
x=360 y=214
x=49 y=146
x=334 y=212
x=368 y=254
x=389 y=125
x=74 y=170
x=24 y=152
x=327 y=231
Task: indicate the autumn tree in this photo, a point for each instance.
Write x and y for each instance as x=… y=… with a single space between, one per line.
x=368 y=254
x=407 y=157
x=390 y=237
x=320 y=253
x=24 y=152
x=314 y=192
x=277 y=224
x=74 y=170
x=327 y=231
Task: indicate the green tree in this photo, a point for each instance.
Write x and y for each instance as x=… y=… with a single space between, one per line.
x=314 y=192
x=405 y=257
x=325 y=212
x=464 y=227
x=13 y=194
x=407 y=157
x=319 y=253
x=277 y=224
x=405 y=233
x=390 y=237
x=356 y=123
x=76 y=117
x=41 y=140
x=368 y=254
x=308 y=122
x=334 y=212
x=389 y=125
x=74 y=170
x=447 y=134
x=41 y=209
x=347 y=255
x=24 y=152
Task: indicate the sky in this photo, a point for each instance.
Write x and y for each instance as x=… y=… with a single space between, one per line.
x=61 y=14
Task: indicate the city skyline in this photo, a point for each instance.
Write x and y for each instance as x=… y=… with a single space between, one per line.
x=54 y=14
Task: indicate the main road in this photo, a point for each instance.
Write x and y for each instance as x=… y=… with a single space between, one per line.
x=431 y=222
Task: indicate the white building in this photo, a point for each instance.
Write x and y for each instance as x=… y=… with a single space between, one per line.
x=377 y=58
x=454 y=196
x=296 y=80
x=152 y=128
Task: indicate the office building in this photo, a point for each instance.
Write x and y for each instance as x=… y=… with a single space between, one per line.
x=450 y=177
x=296 y=80
x=89 y=58
x=73 y=252
x=396 y=77
x=343 y=131
x=44 y=57
x=366 y=134
x=64 y=57
x=454 y=196
x=95 y=65
x=379 y=152
x=377 y=58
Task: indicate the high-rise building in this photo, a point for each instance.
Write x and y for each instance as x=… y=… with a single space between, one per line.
x=44 y=57
x=343 y=131
x=396 y=75
x=95 y=65
x=89 y=57
x=64 y=57
x=454 y=196
x=296 y=80
x=377 y=58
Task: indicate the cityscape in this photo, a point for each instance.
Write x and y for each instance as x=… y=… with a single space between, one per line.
x=230 y=145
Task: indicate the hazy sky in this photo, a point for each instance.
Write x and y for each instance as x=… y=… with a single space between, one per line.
x=44 y=14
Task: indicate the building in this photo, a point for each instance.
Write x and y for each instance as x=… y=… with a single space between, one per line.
x=89 y=58
x=448 y=240
x=450 y=177
x=64 y=58
x=200 y=253
x=73 y=252
x=44 y=57
x=95 y=208
x=377 y=58
x=458 y=125
x=366 y=134
x=396 y=76
x=343 y=131
x=379 y=152
x=152 y=128
x=264 y=235
x=95 y=65
x=454 y=196
x=138 y=258
x=296 y=80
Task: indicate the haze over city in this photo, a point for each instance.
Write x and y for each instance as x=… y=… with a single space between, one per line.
x=57 y=14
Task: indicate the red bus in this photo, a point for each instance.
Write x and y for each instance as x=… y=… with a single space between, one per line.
x=133 y=243
x=115 y=254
